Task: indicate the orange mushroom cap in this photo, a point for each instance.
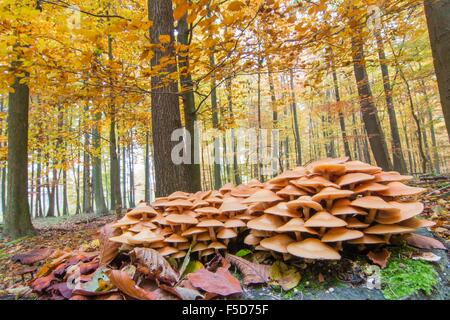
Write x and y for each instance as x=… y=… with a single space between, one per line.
x=353 y=178
x=313 y=249
x=324 y=219
x=398 y=189
x=266 y=222
x=277 y=243
x=341 y=234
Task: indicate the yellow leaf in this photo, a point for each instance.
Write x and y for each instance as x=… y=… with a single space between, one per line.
x=164 y=38
x=235 y=5
x=180 y=11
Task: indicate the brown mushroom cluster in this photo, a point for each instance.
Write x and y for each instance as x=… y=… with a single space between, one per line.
x=308 y=212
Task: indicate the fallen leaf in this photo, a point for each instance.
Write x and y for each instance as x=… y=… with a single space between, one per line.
x=287 y=277
x=426 y=256
x=220 y=282
x=380 y=257
x=108 y=249
x=243 y=252
x=127 y=285
x=60 y=289
x=155 y=265
x=193 y=266
x=98 y=285
x=321 y=278
x=183 y=293
x=41 y=284
x=423 y=242
x=253 y=273
x=33 y=256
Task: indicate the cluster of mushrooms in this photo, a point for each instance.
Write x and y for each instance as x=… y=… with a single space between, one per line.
x=308 y=212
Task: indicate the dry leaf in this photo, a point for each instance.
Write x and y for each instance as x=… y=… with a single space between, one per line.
x=285 y=276
x=183 y=293
x=380 y=257
x=220 y=282
x=33 y=256
x=154 y=265
x=127 y=285
x=108 y=249
x=253 y=273
x=423 y=242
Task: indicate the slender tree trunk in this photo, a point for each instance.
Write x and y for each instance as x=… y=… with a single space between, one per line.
x=275 y=133
x=298 y=147
x=86 y=176
x=190 y=113
x=65 y=197
x=438 y=19
x=97 y=180
x=429 y=114
x=368 y=108
x=237 y=176
x=147 y=168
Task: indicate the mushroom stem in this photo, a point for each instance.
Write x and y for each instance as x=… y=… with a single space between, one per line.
x=291 y=197
x=286 y=256
x=226 y=241
x=212 y=234
x=298 y=235
x=371 y=216
x=387 y=237
x=329 y=203
x=306 y=213
x=322 y=230
x=339 y=245
x=183 y=227
x=361 y=247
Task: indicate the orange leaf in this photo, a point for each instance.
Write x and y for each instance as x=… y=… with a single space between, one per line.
x=235 y=6
x=379 y=257
x=126 y=285
x=180 y=11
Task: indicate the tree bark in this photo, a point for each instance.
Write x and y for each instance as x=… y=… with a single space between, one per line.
x=438 y=19
x=368 y=108
x=97 y=183
x=298 y=147
x=17 y=217
x=164 y=99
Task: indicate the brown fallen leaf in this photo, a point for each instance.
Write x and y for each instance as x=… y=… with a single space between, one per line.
x=154 y=265
x=41 y=284
x=127 y=285
x=321 y=278
x=253 y=273
x=220 y=282
x=380 y=257
x=108 y=249
x=423 y=242
x=33 y=256
x=183 y=293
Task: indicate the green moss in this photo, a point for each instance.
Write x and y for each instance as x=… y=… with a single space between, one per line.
x=403 y=278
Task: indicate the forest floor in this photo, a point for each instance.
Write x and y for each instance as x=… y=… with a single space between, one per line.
x=407 y=275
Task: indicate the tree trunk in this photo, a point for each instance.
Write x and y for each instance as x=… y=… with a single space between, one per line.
x=165 y=105
x=86 y=176
x=237 y=176
x=147 y=168
x=298 y=147
x=97 y=182
x=190 y=113
x=275 y=133
x=438 y=19
x=17 y=218
x=397 y=152
x=368 y=108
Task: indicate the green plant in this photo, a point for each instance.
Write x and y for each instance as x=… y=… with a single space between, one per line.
x=402 y=278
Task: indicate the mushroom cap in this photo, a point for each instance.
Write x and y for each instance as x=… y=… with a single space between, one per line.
x=244 y=216
x=141 y=211
x=226 y=233
x=207 y=252
x=232 y=204
x=179 y=255
x=183 y=246
x=343 y=207
x=181 y=219
x=178 y=203
x=199 y=247
x=260 y=233
x=255 y=183
x=266 y=222
x=125 y=221
x=252 y=240
x=226 y=188
x=146 y=236
x=313 y=249
x=370 y=186
x=123 y=238
x=330 y=193
x=313 y=182
x=417 y=223
x=304 y=202
x=354 y=177
x=275 y=187
x=193 y=230
x=210 y=223
x=198 y=203
x=157 y=245
x=391 y=176
x=354 y=223
x=324 y=219
x=200 y=195
x=406 y=210
x=329 y=168
x=367 y=239
x=285 y=176
x=291 y=190
x=277 y=243
x=217 y=245
x=326 y=160
x=258 y=207
x=372 y=202
x=214 y=200
x=387 y=229
x=296 y=225
x=178 y=195
x=166 y=251
x=398 y=189
x=165 y=231
x=262 y=195
x=358 y=166
x=175 y=238
x=159 y=219
x=207 y=210
x=204 y=237
x=281 y=209
x=234 y=223
x=341 y=234
x=243 y=191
